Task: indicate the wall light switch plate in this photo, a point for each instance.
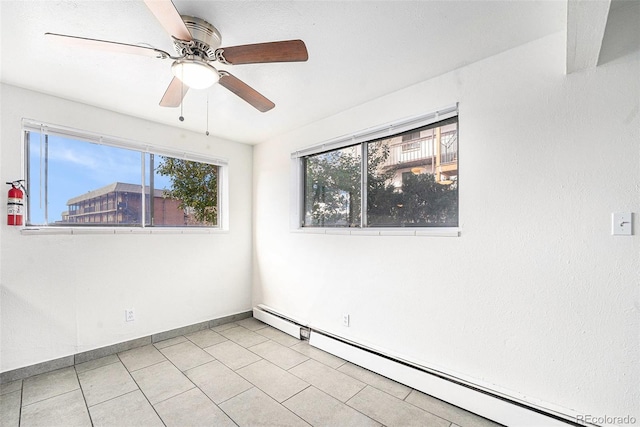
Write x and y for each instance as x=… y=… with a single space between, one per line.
x=621 y=223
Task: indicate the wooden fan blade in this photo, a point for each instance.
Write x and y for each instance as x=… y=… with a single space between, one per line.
x=284 y=51
x=108 y=45
x=245 y=92
x=174 y=93
x=168 y=16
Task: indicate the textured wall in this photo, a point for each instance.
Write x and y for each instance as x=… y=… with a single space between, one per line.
x=536 y=298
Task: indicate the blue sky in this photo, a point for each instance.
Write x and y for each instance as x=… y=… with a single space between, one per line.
x=76 y=167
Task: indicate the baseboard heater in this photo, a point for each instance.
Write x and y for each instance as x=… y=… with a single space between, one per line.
x=279 y=321
x=490 y=404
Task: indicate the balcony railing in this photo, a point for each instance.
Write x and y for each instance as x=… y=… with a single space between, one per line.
x=422 y=151
x=92 y=210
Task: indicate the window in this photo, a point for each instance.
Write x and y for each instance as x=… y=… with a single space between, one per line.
x=79 y=180
x=333 y=188
x=410 y=136
x=378 y=182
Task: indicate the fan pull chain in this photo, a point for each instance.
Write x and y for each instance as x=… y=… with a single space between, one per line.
x=207 y=132
x=181 y=118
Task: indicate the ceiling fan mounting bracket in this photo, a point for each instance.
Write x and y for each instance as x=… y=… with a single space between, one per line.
x=219 y=56
x=205 y=39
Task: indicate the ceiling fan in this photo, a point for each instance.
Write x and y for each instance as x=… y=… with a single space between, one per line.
x=197 y=44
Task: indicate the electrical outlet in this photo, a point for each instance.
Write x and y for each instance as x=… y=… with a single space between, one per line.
x=345 y=320
x=129 y=315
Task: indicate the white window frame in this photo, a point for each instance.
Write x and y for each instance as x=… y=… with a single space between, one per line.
x=96 y=138
x=296 y=210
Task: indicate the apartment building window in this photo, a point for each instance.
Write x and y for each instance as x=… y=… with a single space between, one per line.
x=78 y=179
x=410 y=136
x=411 y=141
x=378 y=182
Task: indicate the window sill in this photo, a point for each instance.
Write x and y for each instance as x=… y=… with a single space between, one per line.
x=433 y=232
x=28 y=231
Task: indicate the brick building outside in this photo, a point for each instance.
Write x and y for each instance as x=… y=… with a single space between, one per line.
x=121 y=204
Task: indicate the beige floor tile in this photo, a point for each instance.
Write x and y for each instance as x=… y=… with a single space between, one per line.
x=106 y=382
x=378 y=381
x=278 y=336
x=319 y=409
x=224 y=327
x=392 y=411
x=161 y=381
x=169 y=342
x=233 y=355
x=97 y=363
x=243 y=336
x=254 y=408
x=10 y=409
x=278 y=380
x=274 y=381
x=129 y=410
x=278 y=354
x=186 y=355
x=205 y=338
x=447 y=411
x=65 y=410
x=192 y=408
x=141 y=357
x=217 y=381
x=252 y=324
x=49 y=385
x=332 y=382
x=10 y=387
x=321 y=356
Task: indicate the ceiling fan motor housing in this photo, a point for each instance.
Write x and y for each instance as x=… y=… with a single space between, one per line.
x=206 y=38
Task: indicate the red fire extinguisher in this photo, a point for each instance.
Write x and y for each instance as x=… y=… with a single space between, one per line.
x=15 y=204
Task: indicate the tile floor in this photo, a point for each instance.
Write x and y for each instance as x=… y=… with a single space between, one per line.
x=244 y=373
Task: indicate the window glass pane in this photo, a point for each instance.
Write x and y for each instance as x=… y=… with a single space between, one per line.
x=332 y=188
x=185 y=192
x=73 y=182
x=412 y=178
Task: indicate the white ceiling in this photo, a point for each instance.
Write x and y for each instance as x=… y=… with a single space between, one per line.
x=358 y=50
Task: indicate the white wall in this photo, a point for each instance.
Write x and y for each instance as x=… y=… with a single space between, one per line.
x=536 y=297
x=63 y=294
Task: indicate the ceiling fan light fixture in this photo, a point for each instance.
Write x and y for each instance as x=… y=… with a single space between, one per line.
x=195 y=72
